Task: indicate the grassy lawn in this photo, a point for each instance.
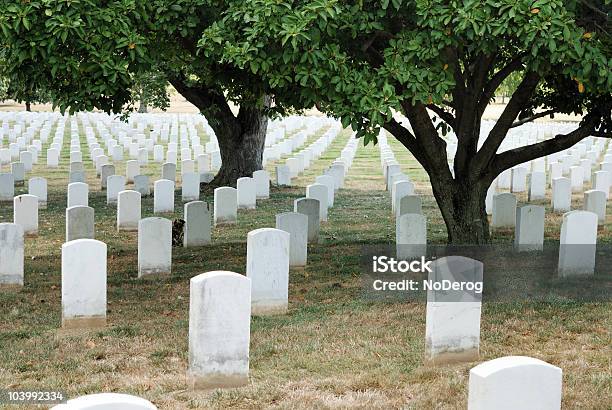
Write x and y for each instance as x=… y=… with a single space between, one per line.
x=333 y=349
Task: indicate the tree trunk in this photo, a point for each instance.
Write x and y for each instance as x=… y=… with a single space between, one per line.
x=241 y=137
x=28 y=106
x=241 y=147
x=142 y=108
x=462 y=205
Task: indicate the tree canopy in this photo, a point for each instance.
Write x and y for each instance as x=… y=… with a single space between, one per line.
x=92 y=55
x=362 y=60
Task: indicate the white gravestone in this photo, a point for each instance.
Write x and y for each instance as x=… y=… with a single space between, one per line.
x=410 y=236
x=128 y=210
x=247 y=194
x=225 y=205
x=268 y=269
x=262 y=184
x=561 y=194
x=83 y=284
x=578 y=244
x=141 y=185
x=197 y=224
x=309 y=207
x=219 y=330
x=154 y=246
x=190 y=190
x=452 y=330
x=319 y=192
x=529 y=232
x=595 y=201
x=409 y=204
x=504 y=210
x=79 y=223
x=537 y=186
x=115 y=184
x=11 y=255
x=78 y=194
x=513 y=383
x=163 y=196
x=296 y=224
x=37 y=186
x=7 y=187
x=25 y=213
x=106 y=401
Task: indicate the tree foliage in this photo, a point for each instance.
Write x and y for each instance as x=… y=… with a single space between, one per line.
x=362 y=60
x=95 y=54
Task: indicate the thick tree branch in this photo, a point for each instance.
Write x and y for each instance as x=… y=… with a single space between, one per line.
x=532 y=118
x=206 y=100
x=498 y=78
x=519 y=100
x=516 y=156
x=448 y=117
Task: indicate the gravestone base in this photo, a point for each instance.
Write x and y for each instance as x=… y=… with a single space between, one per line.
x=216 y=381
x=128 y=227
x=30 y=234
x=269 y=308
x=225 y=222
x=450 y=357
x=11 y=286
x=83 y=322
x=153 y=273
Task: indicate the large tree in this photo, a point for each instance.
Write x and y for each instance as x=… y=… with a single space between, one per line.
x=92 y=54
x=439 y=63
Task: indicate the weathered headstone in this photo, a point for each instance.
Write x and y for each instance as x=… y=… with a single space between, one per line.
x=452 y=330
x=309 y=207
x=154 y=246
x=319 y=192
x=296 y=224
x=595 y=201
x=141 y=185
x=128 y=210
x=529 y=232
x=268 y=269
x=79 y=223
x=504 y=211
x=410 y=236
x=169 y=171
x=247 y=194
x=578 y=244
x=7 y=187
x=83 y=284
x=409 y=204
x=262 y=183
x=105 y=171
x=225 y=205
x=197 y=224
x=115 y=184
x=25 y=213
x=11 y=255
x=515 y=382
x=163 y=196
x=561 y=194
x=190 y=189
x=37 y=186
x=219 y=330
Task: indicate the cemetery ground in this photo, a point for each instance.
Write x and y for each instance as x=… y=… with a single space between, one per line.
x=332 y=349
